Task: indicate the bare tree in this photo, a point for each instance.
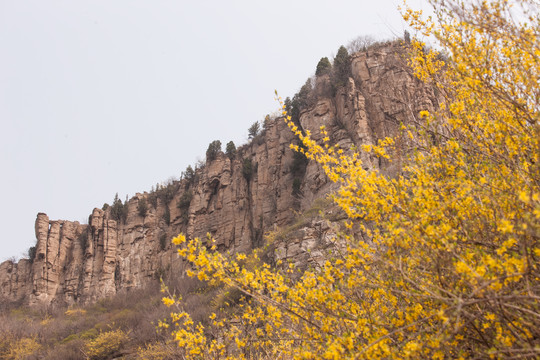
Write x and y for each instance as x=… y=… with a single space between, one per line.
x=361 y=43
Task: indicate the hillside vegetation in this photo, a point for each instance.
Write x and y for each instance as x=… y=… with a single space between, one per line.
x=123 y=326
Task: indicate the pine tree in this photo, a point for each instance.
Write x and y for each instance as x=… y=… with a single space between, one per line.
x=213 y=149
x=253 y=130
x=230 y=150
x=323 y=67
x=342 y=67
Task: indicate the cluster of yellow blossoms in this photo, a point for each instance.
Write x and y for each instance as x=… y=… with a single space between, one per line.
x=445 y=262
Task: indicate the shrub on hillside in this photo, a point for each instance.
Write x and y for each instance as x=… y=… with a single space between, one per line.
x=167 y=215
x=300 y=101
x=297 y=183
x=247 y=169
x=189 y=174
x=32 y=253
x=14 y=349
x=185 y=200
x=163 y=241
x=118 y=209
x=142 y=207
x=107 y=344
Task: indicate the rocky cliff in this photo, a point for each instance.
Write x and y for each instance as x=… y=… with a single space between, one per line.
x=235 y=200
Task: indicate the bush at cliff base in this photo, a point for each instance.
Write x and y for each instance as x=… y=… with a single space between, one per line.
x=444 y=261
x=107 y=344
x=12 y=348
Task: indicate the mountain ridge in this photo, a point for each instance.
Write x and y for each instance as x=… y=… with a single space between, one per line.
x=236 y=200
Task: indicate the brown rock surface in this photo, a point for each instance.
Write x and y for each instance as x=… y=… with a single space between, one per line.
x=81 y=263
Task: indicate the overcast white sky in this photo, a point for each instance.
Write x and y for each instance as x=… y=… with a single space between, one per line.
x=99 y=97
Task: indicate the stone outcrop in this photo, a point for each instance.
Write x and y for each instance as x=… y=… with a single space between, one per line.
x=235 y=200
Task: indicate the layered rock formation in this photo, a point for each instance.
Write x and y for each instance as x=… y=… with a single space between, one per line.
x=235 y=200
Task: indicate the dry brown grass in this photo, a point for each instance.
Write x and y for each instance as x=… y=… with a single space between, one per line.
x=65 y=333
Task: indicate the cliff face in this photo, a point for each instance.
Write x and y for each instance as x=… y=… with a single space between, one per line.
x=236 y=201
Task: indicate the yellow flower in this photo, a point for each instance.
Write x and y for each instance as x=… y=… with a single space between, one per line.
x=178 y=240
x=168 y=301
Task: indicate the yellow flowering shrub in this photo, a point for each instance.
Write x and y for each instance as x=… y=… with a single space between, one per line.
x=75 y=312
x=106 y=344
x=445 y=261
x=18 y=349
x=158 y=351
